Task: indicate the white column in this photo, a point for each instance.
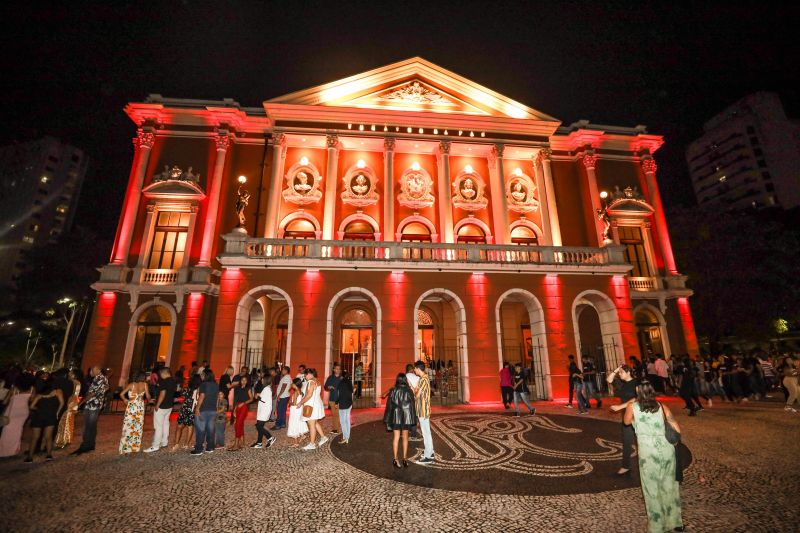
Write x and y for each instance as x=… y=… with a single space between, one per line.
x=278 y=143
x=590 y=162
x=142 y=145
x=214 y=190
x=550 y=195
x=649 y=167
x=543 y=204
x=331 y=174
x=497 y=184
x=388 y=189
x=445 y=193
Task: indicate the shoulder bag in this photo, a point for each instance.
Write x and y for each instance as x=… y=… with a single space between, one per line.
x=672 y=436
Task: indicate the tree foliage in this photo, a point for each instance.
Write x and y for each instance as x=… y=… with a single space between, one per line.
x=743 y=268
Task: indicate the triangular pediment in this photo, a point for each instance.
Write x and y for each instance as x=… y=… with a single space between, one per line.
x=413 y=85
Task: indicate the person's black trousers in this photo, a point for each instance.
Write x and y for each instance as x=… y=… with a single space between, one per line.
x=571 y=390
x=508 y=395
x=628 y=438
x=263 y=433
x=687 y=398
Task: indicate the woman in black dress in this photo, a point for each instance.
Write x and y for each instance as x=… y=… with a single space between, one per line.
x=400 y=416
x=624 y=383
x=45 y=406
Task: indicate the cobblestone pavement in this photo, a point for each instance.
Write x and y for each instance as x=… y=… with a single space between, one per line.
x=744 y=478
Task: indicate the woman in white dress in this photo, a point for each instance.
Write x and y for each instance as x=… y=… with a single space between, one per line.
x=16 y=413
x=312 y=401
x=297 y=428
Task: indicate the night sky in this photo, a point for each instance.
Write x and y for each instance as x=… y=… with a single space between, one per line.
x=68 y=71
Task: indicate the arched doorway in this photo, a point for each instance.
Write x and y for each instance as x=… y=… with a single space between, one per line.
x=597 y=333
x=353 y=341
x=651 y=332
x=263 y=331
x=440 y=327
x=150 y=339
x=521 y=338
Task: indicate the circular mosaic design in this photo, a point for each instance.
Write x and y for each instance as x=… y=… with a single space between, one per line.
x=496 y=453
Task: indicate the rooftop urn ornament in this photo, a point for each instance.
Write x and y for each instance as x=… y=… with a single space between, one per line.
x=242 y=199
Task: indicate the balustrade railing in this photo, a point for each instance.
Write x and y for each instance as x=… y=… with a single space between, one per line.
x=159 y=276
x=419 y=252
x=643 y=283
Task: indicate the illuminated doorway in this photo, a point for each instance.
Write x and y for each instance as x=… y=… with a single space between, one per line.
x=356 y=350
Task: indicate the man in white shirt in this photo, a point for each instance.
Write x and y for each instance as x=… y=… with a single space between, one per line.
x=263 y=411
x=284 y=385
x=662 y=371
x=413 y=382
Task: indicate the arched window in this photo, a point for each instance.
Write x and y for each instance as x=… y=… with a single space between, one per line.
x=359 y=230
x=416 y=232
x=471 y=234
x=524 y=235
x=300 y=228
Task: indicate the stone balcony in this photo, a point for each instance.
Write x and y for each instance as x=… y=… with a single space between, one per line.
x=242 y=251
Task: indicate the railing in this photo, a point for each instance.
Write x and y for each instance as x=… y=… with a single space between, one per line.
x=417 y=252
x=643 y=284
x=159 y=276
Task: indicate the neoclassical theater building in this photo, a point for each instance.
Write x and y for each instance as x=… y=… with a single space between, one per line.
x=398 y=214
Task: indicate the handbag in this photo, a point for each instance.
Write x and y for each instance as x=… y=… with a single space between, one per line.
x=672 y=436
x=307 y=410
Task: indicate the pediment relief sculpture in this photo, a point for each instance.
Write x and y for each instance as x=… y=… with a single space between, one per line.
x=303 y=184
x=468 y=189
x=415 y=93
x=176 y=174
x=520 y=191
x=628 y=201
x=359 y=187
x=415 y=189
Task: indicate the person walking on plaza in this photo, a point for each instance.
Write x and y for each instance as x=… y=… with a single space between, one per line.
x=662 y=371
x=358 y=377
x=263 y=412
x=331 y=385
x=92 y=405
x=506 y=386
x=242 y=398
x=399 y=416
x=521 y=391
x=624 y=383
x=186 y=413
x=313 y=410
x=219 y=421
x=66 y=426
x=423 y=412
x=687 y=390
x=413 y=383
x=572 y=369
x=205 y=414
x=576 y=385
x=590 y=382
x=134 y=395
x=46 y=404
x=296 y=428
x=16 y=413
x=662 y=498
x=165 y=400
x=282 y=394
x=345 y=404
x=790 y=381
x=225 y=388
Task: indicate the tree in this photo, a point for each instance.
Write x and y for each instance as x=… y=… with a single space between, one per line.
x=742 y=268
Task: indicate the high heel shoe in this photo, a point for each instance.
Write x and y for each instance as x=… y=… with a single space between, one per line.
x=396 y=464
x=405 y=463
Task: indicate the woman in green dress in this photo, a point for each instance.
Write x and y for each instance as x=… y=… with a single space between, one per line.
x=662 y=497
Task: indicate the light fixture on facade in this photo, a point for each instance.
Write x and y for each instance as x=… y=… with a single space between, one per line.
x=397 y=128
x=518 y=171
x=304 y=160
x=414 y=166
x=408 y=129
x=361 y=163
x=421 y=131
x=242 y=179
x=312 y=270
x=349 y=126
x=373 y=127
x=435 y=131
x=361 y=127
x=468 y=169
x=302 y=140
x=472 y=134
x=445 y=132
x=386 y=128
x=44 y=179
x=460 y=132
x=483 y=134
x=603 y=194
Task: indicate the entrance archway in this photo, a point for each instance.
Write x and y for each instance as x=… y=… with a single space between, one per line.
x=353 y=339
x=263 y=330
x=151 y=335
x=521 y=338
x=651 y=331
x=597 y=332
x=442 y=344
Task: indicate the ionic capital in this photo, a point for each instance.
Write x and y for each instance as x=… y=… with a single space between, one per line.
x=590 y=161
x=222 y=142
x=649 y=165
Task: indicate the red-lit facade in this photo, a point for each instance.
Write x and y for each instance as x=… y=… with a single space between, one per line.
x=398 y=214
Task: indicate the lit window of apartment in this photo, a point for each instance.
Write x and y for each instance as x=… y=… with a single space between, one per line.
x=61 y=209
x=34 y=227
x=169 y=240
x=44 y=179
x=27 y=239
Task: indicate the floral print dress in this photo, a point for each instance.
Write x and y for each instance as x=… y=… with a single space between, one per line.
x=132 y=425
x=186 y=412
